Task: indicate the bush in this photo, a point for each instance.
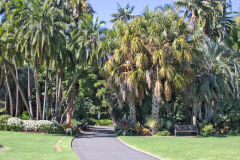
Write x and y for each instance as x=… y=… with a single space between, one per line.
x=163 y=133
x=161 y=124
x=15 y=124
x=233 y=132
x=3 y=111
x=104 y=122
x=25 y=116
x=168 y=125
x=91 y=121
x=153 y=124
x=146 y=132
x=123 y=128
x=31 y=125
x=208 y=130
x=45 y=126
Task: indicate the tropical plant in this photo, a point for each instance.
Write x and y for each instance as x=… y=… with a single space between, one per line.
x=124 y=13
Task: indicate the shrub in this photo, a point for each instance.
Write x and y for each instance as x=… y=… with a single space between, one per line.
x=233 y=132
x=146 y=132
x=208 y=130
x=123 y=128
x=153 y=124
x=3 y=111
x=25 y=116
x=163 y=133
x=59 y=129
x=15 y=124
x=168 y=125
x=45 y=126
x=4 y=118
x=104 y=122
x=161 y=124
x=91 y=121
x=31 y=125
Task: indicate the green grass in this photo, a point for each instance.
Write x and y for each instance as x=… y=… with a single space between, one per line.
x=186 y=148
x=34 y=146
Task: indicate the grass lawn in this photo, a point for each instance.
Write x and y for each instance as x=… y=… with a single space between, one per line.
x=185 y=148
x=34 y=146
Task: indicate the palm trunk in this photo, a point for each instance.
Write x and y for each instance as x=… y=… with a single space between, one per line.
x=9 y=95
x=45 y=95
x=21 y=92
x=67 y=95
x=38 y=109
x=17 y=92
x=8 y=87
x=6 y=98
x=170 y=113
x=69 y=111
x=133 y=118
x=56 y=92
x=29 y=90
x=155 y=108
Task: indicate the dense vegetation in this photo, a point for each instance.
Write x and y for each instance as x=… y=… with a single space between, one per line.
x=157 y=69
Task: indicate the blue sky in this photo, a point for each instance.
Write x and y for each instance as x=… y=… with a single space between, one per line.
x=104 y=8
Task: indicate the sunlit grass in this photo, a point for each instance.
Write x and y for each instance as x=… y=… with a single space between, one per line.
x=188 y=148
x=34 y=146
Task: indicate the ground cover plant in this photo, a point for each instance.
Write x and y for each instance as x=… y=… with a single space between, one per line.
x=28 y=146
x=188 y=148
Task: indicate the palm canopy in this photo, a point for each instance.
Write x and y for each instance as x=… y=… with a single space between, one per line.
x=124 y=13
x=86 y=39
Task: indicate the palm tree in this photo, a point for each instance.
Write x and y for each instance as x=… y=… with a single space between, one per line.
x=124 y=13
x=217 y=78
x=86 y=40
x=38 y=21
x=233 y=38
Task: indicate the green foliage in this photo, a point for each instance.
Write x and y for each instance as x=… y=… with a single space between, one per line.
x=3 y=121
x=163 y=133
x=104 y=122
x=208 y=130
x=2 y=111
x=123 y=128
x=153 y=124
x=25 y=116
x=233 y=132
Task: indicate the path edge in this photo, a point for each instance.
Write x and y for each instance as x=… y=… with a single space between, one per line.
x=147 y=153
x=73 y=149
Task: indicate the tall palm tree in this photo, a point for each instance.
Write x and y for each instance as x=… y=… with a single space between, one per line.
x=86 y=39
x=124 y=13
x=38 y=21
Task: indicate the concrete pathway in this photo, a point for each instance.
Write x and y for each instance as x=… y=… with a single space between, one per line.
x=102 y=144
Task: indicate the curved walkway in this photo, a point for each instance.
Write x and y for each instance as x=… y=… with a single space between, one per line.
x=102 y=144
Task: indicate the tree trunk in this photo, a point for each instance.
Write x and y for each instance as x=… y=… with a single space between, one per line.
x=17 y=92
x=29 y=89
x=45 y=95
x=7 y=100
x=155 y=108
x=21 y=92
x=38 y=109
x=170 y=113
x=132 y=110
x=8 y=88
x=56 y=92
x=69 y=111
x=66 y=97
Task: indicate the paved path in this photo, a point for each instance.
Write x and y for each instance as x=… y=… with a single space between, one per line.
x=101 y=144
